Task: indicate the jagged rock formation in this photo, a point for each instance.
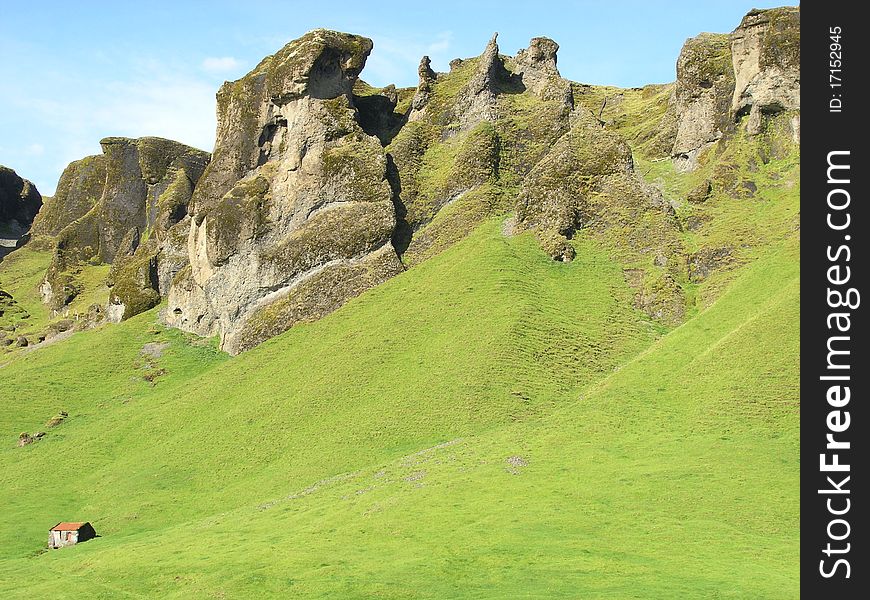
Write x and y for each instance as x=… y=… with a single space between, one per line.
x=19 y=203
x=424 y=87
x=587 y=180
x=536 y=66
x=705 y=81
x=754 y=71
x=137 y=189
x=321 y=186
x=294 y=215
x=485 y=124
x=78 y=190
x=477 y=100
x=767 y=53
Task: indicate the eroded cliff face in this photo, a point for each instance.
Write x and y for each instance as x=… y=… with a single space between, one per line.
x=587 y=181
x=767 y=53
x=107 y=206
x=78 y=190
x=705 y=83
x=754 y=72
x=295 y=214
x=321 y=186
x=20 y=201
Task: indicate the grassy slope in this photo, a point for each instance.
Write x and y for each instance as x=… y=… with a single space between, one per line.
x=21 y=273
x=671 y=477
x=643 y=467
x=491 y=332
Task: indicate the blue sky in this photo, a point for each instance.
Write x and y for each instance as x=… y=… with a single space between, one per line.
x=74 y=72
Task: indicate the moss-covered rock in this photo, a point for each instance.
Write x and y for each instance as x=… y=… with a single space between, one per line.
x=587 y=182
x=555 y=193
x=135 y=285
x=556 y=245
x=536 y=69
x=464 y=152
x=313 y=297
x=658 y=294
x=79 y=189
x=700 y=193
x=136 y=190
x=19 y=199
x=766 y=51
x=703 y=262
x=11 y=314
x=456 y=220
x=705 y=84
x=296 y=188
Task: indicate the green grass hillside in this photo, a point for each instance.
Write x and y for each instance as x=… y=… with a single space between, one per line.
x=489 y=424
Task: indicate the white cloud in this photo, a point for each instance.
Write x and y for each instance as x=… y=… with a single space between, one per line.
x=154 y=99
x=222 y=64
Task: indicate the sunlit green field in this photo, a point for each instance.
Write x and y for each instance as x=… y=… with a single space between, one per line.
x=490 y=424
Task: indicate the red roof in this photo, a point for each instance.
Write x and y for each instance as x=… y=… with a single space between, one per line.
x=67 y=526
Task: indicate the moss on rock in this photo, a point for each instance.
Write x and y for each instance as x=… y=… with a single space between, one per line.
x=19 y=199
x=314 y=297
x=135 y=284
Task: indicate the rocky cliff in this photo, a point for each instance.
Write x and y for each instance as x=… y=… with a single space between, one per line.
x=20 y=201
x=295 y=214
x=321 y=186
x=705 y=83
x=754 y=72
x=107 y=207
x=766 y=52
x=78 y=190
x=501 y=134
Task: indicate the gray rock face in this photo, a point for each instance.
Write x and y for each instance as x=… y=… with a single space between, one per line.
x=705 y=83
x=536 y=65
x=294 y=216
x=424 y=87
x=766 y=52
x=754 y=71
x=19 y=199
x=477 y=100
x=19 y=203
x=144 y=187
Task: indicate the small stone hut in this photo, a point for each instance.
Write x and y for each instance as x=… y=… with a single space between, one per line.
x=67 y=534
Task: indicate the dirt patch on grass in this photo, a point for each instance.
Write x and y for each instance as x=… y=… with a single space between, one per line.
x=154 y=349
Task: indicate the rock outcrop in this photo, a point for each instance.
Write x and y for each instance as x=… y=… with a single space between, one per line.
x=587 y=180
x=79 y=189
x=536 y=67
x=138 y=189
x=477 y=100
x=294 y=215
x=427 y=78
x=754 y=72
x=321 y=186
x=705 y=83
x=484 y=126
x=20 y=201
x=767 y=52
